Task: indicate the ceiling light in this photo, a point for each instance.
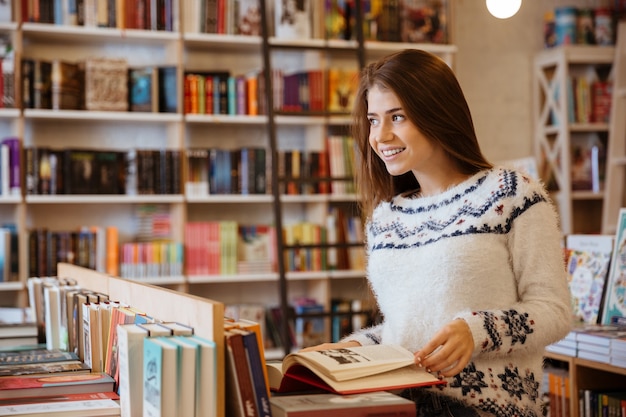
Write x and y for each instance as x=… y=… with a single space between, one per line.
x=503 y=9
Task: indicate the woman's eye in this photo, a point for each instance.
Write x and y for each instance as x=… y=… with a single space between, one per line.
x=397 y=117
x=373 y=122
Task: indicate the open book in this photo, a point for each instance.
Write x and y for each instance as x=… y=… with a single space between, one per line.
x=349 y=370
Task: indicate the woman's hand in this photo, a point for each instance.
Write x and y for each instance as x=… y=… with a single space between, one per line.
x=449 y=351
x=326 y=346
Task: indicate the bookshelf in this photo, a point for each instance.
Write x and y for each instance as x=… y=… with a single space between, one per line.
x=557 y=127
x=588 y=375
x=204 y=315
x=188 y=50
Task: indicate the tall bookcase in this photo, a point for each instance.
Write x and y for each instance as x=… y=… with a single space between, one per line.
x=556 y=129
x=274 y=131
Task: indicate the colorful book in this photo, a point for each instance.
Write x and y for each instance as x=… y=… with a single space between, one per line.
x=615 y=299
x=586 y=275
x=258 y=370
x=160 y=381
x=37 y=385
x=241 y=400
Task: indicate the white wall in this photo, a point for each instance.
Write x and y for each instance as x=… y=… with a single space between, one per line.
x=494 y=67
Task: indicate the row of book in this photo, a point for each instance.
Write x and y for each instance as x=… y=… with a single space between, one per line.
x=90 y=343
x=233 y=17
x=50 y=171
x=220 y=92
x=244 y=170
x=308 y=318
x=415 y=21
x=385 y=20
x=208 y=248
x=227 y=171
x=589 y=101
x=127 y=14
x=99 y=83
x=338 y=245
x=331 y=90
x=592 y=402
x=330 y=171
x=17 y=327
x=110 y=84
x=93 y=247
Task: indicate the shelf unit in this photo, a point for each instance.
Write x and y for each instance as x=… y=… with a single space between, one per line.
x=580 y=211
x=616 y=154
x=126 y=130
x=588 y=375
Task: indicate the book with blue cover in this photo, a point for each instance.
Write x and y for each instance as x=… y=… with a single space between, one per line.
x=615 y=299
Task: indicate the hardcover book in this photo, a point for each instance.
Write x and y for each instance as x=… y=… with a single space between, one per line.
x=159 y=378
x=424 y=21
x=67 y=85
x=241 y=401
x=614 y=303
x=374 y=404
x=80 y=171
x=167 y=89
x=106 y=86
x=293 y=19
x=142 y=89
x=349 y=371
x=56 y=368
x=37 y=385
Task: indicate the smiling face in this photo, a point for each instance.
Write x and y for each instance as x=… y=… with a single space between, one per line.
x=395 y=139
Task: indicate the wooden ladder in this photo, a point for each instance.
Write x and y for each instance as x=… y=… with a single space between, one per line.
x=614 y=191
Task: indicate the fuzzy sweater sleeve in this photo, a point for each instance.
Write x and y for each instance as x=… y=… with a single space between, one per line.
x=543 y=306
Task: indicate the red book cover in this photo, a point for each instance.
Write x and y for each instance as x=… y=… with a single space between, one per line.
x=61 y=398
x=209 y=91
x=37 y=385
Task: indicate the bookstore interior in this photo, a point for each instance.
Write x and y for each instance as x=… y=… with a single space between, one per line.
x=178 y=216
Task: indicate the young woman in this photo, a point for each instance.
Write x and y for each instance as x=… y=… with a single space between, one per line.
x=464 y=258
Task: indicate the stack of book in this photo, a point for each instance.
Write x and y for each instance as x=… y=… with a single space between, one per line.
x=17 y=327
x=566 y=346
x=596 y=343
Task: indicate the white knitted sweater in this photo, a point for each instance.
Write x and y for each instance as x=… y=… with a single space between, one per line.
x=487 y=251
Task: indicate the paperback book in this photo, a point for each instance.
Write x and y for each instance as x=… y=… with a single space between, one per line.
x=615 y=299
x=349 y=371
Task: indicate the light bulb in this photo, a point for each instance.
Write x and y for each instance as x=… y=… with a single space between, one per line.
x=503 y=9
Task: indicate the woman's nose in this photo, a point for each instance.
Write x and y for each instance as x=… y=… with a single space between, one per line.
x=384 y=134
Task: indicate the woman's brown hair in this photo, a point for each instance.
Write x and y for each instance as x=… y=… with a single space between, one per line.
x=433 y=101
